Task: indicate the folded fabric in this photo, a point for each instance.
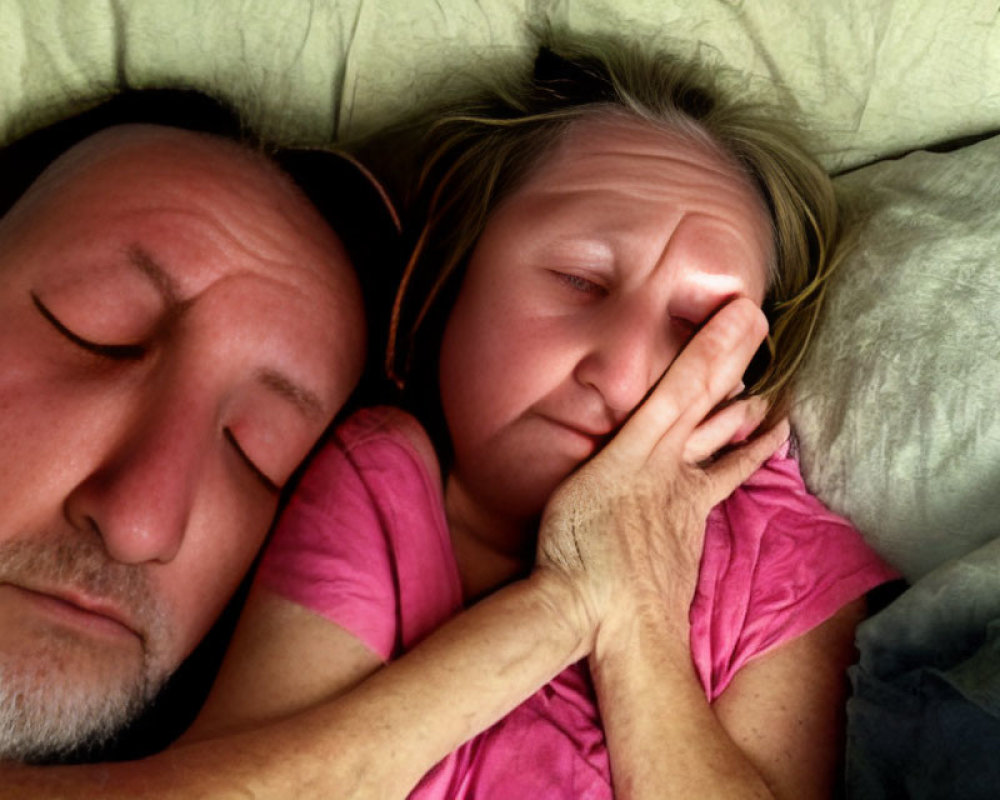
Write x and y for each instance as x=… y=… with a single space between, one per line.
x=924 y=720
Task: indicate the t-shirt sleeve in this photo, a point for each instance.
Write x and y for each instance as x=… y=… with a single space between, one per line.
x=329 y=551
x=776 y=564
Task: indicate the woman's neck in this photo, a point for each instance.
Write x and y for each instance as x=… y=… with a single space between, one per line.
x=491 y=549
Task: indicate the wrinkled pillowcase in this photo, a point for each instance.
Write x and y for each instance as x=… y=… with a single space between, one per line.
x=897 y=406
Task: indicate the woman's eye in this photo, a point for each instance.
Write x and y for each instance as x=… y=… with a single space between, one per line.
x=117 y=352
x=580 y=284
x=257 y=472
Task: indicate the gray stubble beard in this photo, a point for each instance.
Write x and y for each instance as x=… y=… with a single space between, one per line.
x=47 y=712
x=58 y=697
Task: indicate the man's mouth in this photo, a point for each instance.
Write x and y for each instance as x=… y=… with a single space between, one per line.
x=95 y=615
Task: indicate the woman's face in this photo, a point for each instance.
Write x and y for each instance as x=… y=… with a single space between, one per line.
x=586 y=283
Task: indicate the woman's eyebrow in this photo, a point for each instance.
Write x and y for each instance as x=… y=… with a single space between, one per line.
x=595 y=247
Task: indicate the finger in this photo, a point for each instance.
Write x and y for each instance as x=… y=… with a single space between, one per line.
x=733 y=468
x=697 y=381
x=731 y=424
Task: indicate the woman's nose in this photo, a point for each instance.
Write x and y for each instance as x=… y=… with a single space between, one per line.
x=625 y=358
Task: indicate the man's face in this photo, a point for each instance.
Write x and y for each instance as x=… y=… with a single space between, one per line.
x=177 y=327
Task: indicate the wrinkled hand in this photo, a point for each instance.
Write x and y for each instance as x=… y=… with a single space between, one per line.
x=627 y=528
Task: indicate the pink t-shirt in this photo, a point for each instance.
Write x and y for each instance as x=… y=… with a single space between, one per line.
x=365 y=543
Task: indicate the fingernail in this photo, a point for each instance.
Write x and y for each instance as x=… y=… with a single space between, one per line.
x=736 y=390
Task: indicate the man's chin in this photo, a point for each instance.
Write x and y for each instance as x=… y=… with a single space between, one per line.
x=67 y=700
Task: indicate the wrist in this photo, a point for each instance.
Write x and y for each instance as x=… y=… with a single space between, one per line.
x=641 y=632
x=566 y=608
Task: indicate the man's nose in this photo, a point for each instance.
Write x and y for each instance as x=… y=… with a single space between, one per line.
x=625 y=358
x=139 y=496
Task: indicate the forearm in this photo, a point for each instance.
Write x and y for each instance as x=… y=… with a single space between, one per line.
x=461 y=680
x=664 y=739
x=375 y=741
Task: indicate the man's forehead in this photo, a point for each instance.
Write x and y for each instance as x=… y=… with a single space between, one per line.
x=184 y=213
x=183 y=145
x=172 y=173
x=170 y=157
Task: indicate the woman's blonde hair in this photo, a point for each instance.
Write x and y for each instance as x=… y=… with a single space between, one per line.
x=474 y=155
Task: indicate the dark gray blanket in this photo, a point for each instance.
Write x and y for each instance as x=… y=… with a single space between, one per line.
x=924 y=720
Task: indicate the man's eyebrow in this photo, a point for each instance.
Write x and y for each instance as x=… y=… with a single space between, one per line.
x=162 y=281
x=308 y=402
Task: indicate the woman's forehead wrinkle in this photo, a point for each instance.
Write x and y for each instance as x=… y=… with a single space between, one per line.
x=627 y=178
